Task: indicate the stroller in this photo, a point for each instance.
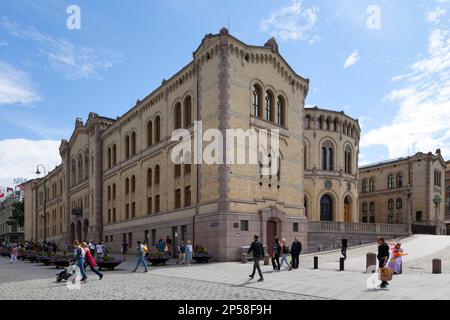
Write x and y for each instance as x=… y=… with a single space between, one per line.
x=65 y=274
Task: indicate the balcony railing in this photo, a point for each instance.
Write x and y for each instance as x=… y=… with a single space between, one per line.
x=350 y=227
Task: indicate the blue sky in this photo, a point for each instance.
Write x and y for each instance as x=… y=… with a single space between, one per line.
x=395 y=79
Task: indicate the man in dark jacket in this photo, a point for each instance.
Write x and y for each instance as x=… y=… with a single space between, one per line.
x=258 y=253
x=344 y=247
x=296 y=249
x=383 y=257
x=276 y=254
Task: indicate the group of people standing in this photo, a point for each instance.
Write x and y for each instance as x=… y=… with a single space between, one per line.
x=280 y=250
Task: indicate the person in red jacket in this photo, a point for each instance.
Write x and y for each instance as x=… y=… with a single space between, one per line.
x=90 y=260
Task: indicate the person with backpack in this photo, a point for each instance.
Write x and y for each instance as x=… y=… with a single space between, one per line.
x=276 y=254
x=285 y=254
x=141 y=257
x=258 y=253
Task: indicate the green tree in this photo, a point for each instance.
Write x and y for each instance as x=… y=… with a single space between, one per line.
x=18 y=214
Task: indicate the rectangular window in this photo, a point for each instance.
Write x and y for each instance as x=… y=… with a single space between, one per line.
x=146 y=235
x=149 y=205
x=187 y=169
x=127 y=211
x=154 y=237
x=177 y=170
x=419 y=216
x=244 y=225
x=109 y=215
x=184 y=232
x=133 y=210
x=157 y=200
x=295 y=227
x=114 y=215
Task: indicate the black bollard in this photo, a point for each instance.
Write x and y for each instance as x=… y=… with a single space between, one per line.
x=316 y=263
x=341 y=264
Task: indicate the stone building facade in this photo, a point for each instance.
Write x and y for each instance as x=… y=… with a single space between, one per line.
x=331 y=147
x=447 y=197
x=384 y=192
x=117 y=181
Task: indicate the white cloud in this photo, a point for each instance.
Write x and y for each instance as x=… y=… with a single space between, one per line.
x=24 y=155
x=435 y=15
x=422 y=122
x=293 y=22
x=73 y=62
x=352 y=59
x=16 y=86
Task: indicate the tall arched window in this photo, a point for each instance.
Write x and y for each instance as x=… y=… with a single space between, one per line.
x=114 y=155
x=133 y=143
x=348 y=159
x=328 y=124
x=114 y=191
x=177 y=116
x=365 y=212
x=74 y=172
x=157 y=175
x=80 y=168
x=149 y=177
x=399 y=181
x=328 y=156
x=127 y=186
x=305 y=156
x=109 y=160
x=127 y=147
x=269 y=107
x=372 y=212
x=391 y=182
x=257 y=101
x=336 y=124
x=365 y=186
x=187 y=112
x=133 y=184
x=149 y=134
x=86 y=164
x=109 y=193
x=307 y=122
x=158 y=129
x=281 y=111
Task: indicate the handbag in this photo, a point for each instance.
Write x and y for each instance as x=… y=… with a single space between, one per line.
x=386 y=274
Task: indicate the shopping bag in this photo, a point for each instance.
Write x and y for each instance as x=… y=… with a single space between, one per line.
x=386 y=274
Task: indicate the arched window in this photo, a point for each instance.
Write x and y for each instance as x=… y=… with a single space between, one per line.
x=365 y=213
x=86 y=165
x=133 y=184
x=149 y=177
x=80 y=168
x=74 y=172
x=114 y=191
x=133 y=143
x=399 y=180
x=326 y=208
x=391 y=211
x=149 y=134
x=391 y=182
x=109 y=160
x=372 y=212
x=328 y=124
x=109 y=193
x=127 y=147
x=269 y=107
x=187 y=112
x=365 y=186
x=114 y=155
x=336 y=124
x=372 y=185
x=257 y=101
x=327 y=156
x=320 y=122
x=157 y=175
x=307 y=122
x=127 y=186
x=281 y=111
x=305 y=156
x=177 y=116
x=158 y=129
x=348 y=160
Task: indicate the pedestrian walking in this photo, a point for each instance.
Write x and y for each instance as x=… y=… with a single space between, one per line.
x=276 y=254
x=14 y=253
x=91 y=246
x=188 y=253
x=285 y=254
x=90 y=260
x=182 y=253
x=258 y=253
x=79 y=254
x=296 y=250
x=383 y=257
x=161 y=245
x=168 y=248
x=141 y=257
x=100 y=248
x=344 y=247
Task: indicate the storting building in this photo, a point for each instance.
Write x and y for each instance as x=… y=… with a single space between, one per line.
x=117 y=181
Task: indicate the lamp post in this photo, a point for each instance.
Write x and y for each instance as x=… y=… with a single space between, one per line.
x=437 y=203
x=45 y=200
x=408 y=192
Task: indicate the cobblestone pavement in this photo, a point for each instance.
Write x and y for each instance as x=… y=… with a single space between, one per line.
x=35 y=281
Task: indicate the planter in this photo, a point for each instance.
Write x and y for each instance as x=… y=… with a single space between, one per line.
x=44 y=259
x=201 y=259
x=157 y=261
x=61 y=263
x=32 y=259
x=110 y=265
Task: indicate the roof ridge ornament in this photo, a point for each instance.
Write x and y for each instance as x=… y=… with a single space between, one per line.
x=272 y=43
x=224 y=31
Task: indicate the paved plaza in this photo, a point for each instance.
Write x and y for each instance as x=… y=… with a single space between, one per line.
x=229 y=281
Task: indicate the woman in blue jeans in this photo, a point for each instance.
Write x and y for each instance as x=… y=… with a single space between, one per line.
x=79 y=252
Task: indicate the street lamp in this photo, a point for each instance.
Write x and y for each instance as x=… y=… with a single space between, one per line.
x=408 y=192
x=437 y=202
x=45 y=200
